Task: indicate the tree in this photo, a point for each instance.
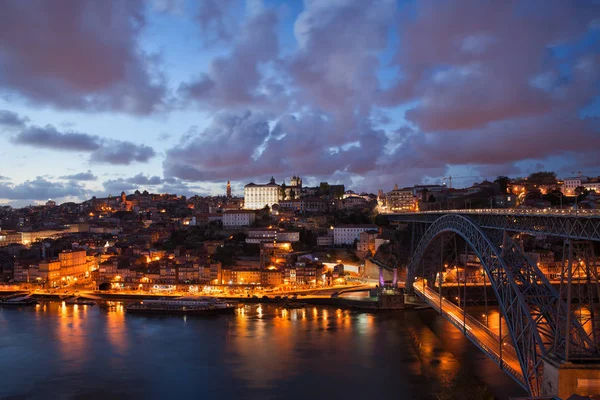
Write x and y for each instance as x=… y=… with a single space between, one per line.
x=282 y=191
x=542 y=178
x=579 y=190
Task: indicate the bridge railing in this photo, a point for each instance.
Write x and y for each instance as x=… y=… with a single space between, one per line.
x=467 y=331
x=507 y=211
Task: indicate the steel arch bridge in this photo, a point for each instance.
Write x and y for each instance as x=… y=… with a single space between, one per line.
x=538 y=320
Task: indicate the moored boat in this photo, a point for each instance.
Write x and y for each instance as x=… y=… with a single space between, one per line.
x=82 y=301
x=182 y=305
x=19 y=300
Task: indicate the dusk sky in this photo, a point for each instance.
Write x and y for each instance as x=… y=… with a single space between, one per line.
x=97 y=97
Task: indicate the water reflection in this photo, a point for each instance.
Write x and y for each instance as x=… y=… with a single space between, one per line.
x=71 y=334
x=262 y=351
x=115 y=328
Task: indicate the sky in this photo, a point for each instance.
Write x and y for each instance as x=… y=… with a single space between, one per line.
x=177 y=96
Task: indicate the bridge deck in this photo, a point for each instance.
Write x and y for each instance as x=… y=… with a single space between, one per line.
x=476 y=332
x=568 y=224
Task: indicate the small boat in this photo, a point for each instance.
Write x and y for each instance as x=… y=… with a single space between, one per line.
x=293 y=304
x=81 y=301
x=19 y=300
x=182 y=305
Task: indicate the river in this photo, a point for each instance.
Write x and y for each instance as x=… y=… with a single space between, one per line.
x=261 y=352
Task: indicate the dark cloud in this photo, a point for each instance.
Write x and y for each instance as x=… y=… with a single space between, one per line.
x=228 y=144
x=82 y=176
x=236 y=80
x=216 y=21
x=78 y=54
x=339 y=44
x=139 y=181
x=122 y=153
x=9 y=119
x=491 y=61
x=4 y=178
x=50 y=138
x=40 y=189
x=101 y=150
x=310 y=143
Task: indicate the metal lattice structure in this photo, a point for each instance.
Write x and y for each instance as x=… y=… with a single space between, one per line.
x=584 y=226
x=527 y=300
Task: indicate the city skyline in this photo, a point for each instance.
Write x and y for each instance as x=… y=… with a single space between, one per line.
x=181 y=97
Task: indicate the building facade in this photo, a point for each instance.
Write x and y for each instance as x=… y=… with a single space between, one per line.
x=258 y=196
x=347 y=234
x=237 y=218
x=400 y=199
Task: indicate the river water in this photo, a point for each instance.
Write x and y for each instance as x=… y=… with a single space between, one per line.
x=261 y=352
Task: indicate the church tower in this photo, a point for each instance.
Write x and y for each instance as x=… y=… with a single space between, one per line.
x=228 y=189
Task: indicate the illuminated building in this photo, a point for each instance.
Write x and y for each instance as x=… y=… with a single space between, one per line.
x=49 y=272
x=400 y=199
x=257 y=196
x=228 y=189
x=74 y=264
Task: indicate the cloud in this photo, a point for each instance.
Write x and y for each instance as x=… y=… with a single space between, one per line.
x=39 y=189
x=336 y=64
x=216 y=21
x=4 y=178
x=176 y=7
x=81 y=55
x=482 y=62
x=9 y=119
x=108 y=151
x=122 y=153
x=49 y=137
x=310 y=143
x=132 y=183
x=81 y=176
x=236 y=80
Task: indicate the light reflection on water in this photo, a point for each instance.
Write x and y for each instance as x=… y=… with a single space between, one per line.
x=262 y=351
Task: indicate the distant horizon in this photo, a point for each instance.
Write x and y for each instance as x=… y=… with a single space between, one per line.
x=241 y=194
x=181 y=96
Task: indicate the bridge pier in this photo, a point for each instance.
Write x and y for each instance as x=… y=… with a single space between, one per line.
x=564 y=379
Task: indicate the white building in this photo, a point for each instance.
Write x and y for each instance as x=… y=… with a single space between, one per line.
x=259 y=196
x=236 y=218
x=569 y=185
x=347 y=234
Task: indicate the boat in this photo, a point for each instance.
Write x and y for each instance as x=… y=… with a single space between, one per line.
x=82 y=301
x=294 y=304
x=182 y=305
x=19 y=300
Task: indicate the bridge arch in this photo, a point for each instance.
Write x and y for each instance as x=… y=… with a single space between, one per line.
x=526 y=299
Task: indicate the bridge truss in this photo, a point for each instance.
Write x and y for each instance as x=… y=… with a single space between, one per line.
x=539 y=321
x=568 y=225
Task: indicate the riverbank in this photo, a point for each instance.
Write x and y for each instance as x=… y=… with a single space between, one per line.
x=387 y=303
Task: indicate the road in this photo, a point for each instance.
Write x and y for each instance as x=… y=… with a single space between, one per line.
x=475 y=331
